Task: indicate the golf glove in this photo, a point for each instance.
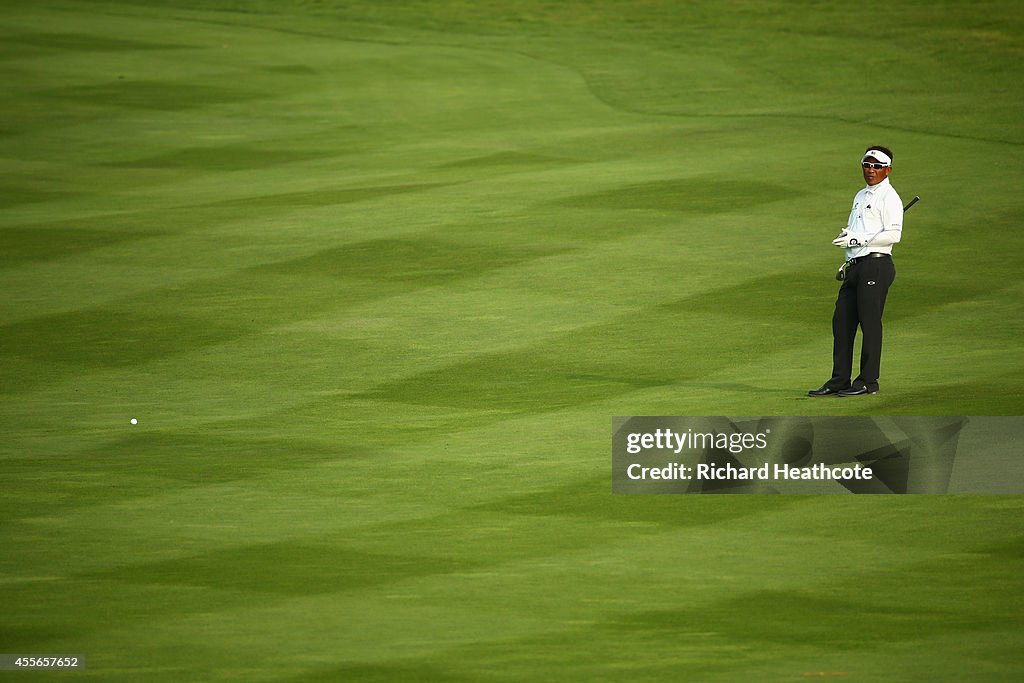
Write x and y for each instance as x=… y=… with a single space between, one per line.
x=846 y=240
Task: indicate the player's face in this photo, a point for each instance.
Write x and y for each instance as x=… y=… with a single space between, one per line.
x=873 y=176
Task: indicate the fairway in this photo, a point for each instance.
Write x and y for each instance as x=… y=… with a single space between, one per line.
x=374 y=278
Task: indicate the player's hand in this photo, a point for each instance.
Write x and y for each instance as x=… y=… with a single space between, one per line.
x=846 y=240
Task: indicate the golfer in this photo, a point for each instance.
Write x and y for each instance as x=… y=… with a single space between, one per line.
x=875 y=224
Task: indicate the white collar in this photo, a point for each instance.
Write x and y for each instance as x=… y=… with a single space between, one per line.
x=877 y=186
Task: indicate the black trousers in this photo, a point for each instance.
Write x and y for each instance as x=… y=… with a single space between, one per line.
x=860 y=302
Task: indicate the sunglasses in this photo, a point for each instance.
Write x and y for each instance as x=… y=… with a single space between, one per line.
x=867 y=164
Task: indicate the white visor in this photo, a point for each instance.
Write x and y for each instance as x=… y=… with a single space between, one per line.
x=882 y=157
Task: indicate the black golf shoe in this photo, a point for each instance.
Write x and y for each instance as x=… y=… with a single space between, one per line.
x=826 y=390
x=860 y=390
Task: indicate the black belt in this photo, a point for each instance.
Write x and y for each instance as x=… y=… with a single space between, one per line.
x=873 y=254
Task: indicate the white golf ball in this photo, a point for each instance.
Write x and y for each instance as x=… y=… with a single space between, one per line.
x=134 y=421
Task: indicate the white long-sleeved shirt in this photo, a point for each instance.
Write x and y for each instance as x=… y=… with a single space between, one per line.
x=876 y=220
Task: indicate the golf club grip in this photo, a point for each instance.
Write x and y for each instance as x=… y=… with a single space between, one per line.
x=913 y=201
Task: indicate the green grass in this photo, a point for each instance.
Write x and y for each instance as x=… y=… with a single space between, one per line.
x=374 y=278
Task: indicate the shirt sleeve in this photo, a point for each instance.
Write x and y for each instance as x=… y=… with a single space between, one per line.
x=892 y=222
